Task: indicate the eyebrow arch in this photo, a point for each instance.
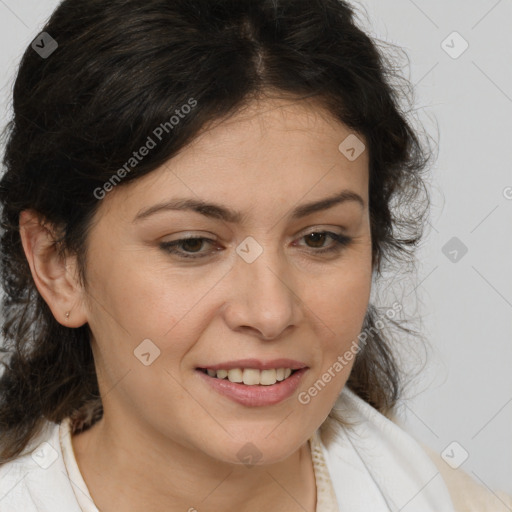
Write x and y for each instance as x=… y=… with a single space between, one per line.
x=217 y=211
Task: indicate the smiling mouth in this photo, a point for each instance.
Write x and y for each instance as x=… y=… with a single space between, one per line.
x=251 y=376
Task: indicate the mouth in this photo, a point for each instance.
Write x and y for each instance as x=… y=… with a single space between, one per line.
x=250 y=376
x=251 y=387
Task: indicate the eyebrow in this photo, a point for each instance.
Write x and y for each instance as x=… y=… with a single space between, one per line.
x=217 y=211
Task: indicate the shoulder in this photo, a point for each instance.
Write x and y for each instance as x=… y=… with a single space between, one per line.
x=398 y=463
x=36 y=481
x=467 y=494
x=387 y=469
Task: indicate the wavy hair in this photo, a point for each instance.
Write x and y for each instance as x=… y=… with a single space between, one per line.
x=121 y=68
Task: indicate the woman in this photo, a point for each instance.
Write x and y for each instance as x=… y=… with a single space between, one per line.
x=196 y=205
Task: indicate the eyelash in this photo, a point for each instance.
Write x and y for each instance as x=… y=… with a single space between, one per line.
x=340 y=242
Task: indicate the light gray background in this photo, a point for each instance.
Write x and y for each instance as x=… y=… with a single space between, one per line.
x=465 y=392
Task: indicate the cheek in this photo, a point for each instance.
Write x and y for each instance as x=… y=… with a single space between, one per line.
x=340 y=300
x=142 y=303
x=340 y=304
x=341 y=310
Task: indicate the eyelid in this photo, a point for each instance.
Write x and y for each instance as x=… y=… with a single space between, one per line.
x=338 y=243
x=305 y=232
x=322 y=227
x=193 y=234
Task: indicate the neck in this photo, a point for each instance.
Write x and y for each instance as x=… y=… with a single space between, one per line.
x=129 y=470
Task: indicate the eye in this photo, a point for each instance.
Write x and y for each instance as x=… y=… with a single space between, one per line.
x=190 y=248
x=194 y=244
x=318 y=238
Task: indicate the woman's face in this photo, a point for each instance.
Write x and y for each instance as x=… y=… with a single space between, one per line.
x=259 y=286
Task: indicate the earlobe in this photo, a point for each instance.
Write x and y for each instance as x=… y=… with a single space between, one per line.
x=54 y=275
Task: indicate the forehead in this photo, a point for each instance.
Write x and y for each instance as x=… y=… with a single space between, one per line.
x=273 y=151
x=306 y=122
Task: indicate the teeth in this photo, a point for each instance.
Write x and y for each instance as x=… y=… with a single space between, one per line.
x=267 y=377
x=235 y=375
x=252 y=376
x=221 y=374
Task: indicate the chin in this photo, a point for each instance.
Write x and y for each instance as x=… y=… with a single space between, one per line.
x=259 y=449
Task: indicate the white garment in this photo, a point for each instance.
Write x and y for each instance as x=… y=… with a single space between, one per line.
x=372 y=466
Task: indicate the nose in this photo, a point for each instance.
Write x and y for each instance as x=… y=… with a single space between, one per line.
x=262 y=298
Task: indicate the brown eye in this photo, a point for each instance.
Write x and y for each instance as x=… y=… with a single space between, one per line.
x=317 y=239
x=192 y=244
x=191 y=247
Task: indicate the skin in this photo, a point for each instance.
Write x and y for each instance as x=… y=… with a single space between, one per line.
x=167 y=441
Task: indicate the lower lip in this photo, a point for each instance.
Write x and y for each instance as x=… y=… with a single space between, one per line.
x=257 y=395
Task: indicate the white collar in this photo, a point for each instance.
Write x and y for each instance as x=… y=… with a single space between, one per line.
x=376 y=466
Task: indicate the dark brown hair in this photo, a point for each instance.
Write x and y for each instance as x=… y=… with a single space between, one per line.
x=121 y=69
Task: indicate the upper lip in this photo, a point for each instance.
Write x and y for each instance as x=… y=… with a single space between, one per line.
x=256 y=364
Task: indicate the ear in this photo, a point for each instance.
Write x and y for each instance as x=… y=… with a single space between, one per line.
x=55 y=276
